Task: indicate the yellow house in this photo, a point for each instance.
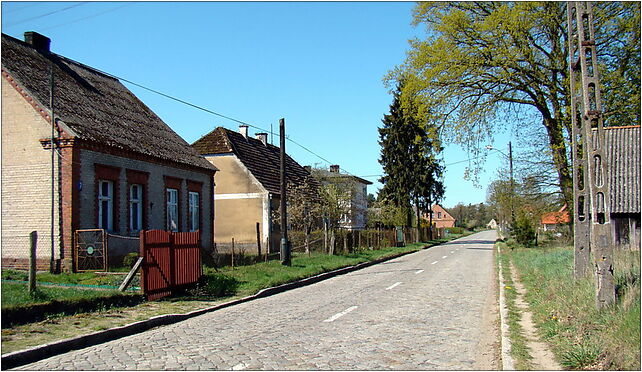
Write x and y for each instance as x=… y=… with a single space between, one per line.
x=247 y=188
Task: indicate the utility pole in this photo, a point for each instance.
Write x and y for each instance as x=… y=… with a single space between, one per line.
x=285 y=248
x=580 y=207
x=512 y=184
x=582 y=40
x=53 y=173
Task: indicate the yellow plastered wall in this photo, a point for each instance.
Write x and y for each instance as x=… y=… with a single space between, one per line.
x=26 y=179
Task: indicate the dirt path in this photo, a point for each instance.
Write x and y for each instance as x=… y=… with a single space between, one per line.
x=543 y=358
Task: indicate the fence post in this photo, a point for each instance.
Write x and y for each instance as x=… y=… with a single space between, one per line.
x=33 y=237
x=232 y=253
x=258 y=238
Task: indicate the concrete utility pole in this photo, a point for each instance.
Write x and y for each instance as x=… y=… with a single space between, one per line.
x=285 y=248
x=512 y=179
x=580 y=208
x=582 y=42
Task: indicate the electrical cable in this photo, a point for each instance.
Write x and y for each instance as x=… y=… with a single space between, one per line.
x=44 y=15
x=87 y=17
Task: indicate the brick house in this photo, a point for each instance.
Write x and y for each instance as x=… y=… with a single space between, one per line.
x=440 y=217
x=117 y=166
x=247 y=188
x=356 y=218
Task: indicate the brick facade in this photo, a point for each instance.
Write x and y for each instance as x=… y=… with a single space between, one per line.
x=26 y=181
x=26 y=189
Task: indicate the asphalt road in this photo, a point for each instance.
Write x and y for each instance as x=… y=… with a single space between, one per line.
x=422 y=311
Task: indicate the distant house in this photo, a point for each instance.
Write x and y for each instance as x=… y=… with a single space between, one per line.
x=116 y=165
x=492 y=224
x=622 y=146
x=247 y=187
x=552 y=221
x=440 y=217
x=356 y=218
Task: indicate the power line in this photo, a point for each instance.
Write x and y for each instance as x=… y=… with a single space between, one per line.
x=216 y=113
x=21 y=8
x=87 y=17
x=44 y=15
x=445 y=165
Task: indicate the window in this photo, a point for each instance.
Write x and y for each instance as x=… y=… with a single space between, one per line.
x=172 y=210
x=194 y=211
x=106 y=205
x=438 y=215
x=135 y=207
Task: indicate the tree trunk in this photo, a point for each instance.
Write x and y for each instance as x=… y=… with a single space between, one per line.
x=307 y=239
x=417 y=237
x=332 y=240
x=325 y=235
x=558 y=148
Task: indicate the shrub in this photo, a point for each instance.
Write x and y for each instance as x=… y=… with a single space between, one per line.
x=524 y=231
x=455 y=230
x=130 y=259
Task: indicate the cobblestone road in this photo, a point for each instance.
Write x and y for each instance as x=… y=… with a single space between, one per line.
x=421 y=311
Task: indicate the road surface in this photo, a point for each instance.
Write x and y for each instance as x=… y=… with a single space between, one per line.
x=427 y=310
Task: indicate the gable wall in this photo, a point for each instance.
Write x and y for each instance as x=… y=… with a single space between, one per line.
x=26 y=182
x=240 y=202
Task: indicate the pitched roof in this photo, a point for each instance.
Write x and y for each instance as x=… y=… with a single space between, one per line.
x=560 y=217
x=96 y=107
x=622 y=145
x=263 y=161
x=328 y=174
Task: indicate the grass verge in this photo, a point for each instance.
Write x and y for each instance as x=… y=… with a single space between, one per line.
x=564 y=310
x=519 y=350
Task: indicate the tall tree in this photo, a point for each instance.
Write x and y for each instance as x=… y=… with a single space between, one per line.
x=486 y=61
x=409 y=149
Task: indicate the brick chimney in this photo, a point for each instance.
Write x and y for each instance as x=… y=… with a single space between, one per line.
x=334 y=168
x=38 y=41
x=262 y=137
x=243 y=130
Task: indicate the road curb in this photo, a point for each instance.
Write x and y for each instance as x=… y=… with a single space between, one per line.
x=36 y=353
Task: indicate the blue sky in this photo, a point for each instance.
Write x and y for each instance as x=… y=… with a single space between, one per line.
x=318 y=65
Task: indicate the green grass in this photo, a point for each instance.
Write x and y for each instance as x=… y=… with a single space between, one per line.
x=519 y=349
x=248 y=280
x=581 y=336
x=14 y=294
x=80 y=279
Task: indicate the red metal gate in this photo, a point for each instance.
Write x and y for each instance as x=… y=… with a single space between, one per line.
x=170 y=261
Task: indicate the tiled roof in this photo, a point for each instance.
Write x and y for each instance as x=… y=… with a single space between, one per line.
x=96 y=107
x=560 y=217
x=327 y=174
x=261 y=160
x=622 y=145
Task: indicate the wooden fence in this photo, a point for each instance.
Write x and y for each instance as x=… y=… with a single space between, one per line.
x=171 y=260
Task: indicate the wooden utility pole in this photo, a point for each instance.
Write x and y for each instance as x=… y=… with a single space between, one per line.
x=33 y=237
x=582 y=40
x=285 y=248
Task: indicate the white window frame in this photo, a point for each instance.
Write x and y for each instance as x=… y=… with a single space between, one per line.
x=109 y=200
x=136 y=204
x=194 y=210
x=172 y=209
